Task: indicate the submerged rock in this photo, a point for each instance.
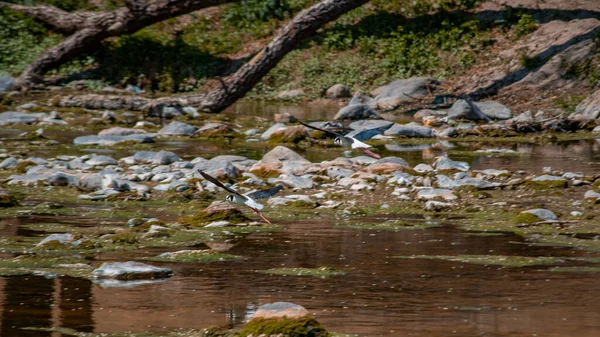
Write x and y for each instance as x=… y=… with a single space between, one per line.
x=130 y=271
x=112 y=140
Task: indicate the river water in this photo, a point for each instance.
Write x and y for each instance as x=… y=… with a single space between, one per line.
x=381 y=294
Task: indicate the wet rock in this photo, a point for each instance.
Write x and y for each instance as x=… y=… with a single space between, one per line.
x=280 y=310
x=364 y=124
x=275 y=127
x=9 y=163
x=130 y=271
x=410 y=130
x=278 y=319
x=212 y=130
x=445 y=163
x=590 y=107
x=541 y=214
x=101 y=161
x=7 y=83
x=338 y=91
x=296 y=182
x=360 y=97
x=418 y=117
x=62 y=179
x=112 y=140
x=63 y=239
x=178 y=129
x=7 y=199
x=437 y=206
x=118 y=131
x=282 y=154
x=448 y=132
x=291 y=94
x=290 y=134
x=355 y=112
x=409 y=89
x=159 y=158
x=14 y=117
x=436 y=193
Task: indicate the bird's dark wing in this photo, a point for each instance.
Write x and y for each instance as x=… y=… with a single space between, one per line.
x=262 y=194
x=370 y=133
x=335 y=134
x=218 y=183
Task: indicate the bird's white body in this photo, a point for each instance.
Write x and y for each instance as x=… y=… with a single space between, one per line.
x=350 y=142
x=358 y=144
x=244 y=200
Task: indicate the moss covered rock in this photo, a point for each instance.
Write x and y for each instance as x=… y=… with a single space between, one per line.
x=283 y=319
x=291 y=134
x=7 y=199
x=217 y=211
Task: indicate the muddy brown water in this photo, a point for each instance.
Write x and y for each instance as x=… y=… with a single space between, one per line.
x=381 y=295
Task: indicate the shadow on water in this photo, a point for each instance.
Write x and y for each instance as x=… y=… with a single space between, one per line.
x=380 y=296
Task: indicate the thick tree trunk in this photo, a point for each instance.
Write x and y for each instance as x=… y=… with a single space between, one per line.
x=88 y=29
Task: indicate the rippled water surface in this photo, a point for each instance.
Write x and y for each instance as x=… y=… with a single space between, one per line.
x=381 y=294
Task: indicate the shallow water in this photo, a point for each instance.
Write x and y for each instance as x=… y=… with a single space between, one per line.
x=381 y=295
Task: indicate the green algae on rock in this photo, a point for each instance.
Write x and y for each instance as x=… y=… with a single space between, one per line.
x=288 y=327
x=206 y=255
x=217 y=211
x=321 y=272
x=501 y=260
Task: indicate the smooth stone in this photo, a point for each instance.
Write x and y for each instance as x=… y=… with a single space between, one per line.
x=339 y=172
x=495 y=110
x=275 y=127
x=280 y=310
x=9 y=163
x=218 y=168
x=448 y=132
x=191 y=111
x=130 y=271
x=296 y=181
x=445 y=163
x=591 y=195
x=412 y=130
x=14 y=117
x=101 y=161
x=437 y=206
x=62 y=179
x=112 y=140
x=63 y=238
x=222 y=223
x=338 y=91
x=118 y=131
x=393 y=160
x=178 y=129
x=364 y=124
x=159 y=158
x=356 y=111
x=547 y=177
x=576 y=213
x=435 y=193
x=360 y=97
x=409 y=89
x=542 y=214
x=7 y=83
x=282 y=154
x=423 y=168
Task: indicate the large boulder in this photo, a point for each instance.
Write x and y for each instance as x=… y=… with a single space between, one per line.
x=282 y=154
x=356 y=111
x=178 y=129
x=409 y=89
x=590 y=106
x=338 y=91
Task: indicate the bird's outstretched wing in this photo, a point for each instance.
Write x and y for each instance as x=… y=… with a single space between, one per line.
x=331 y=133
x=263 y=194
x=370 y=133
x=218 y=183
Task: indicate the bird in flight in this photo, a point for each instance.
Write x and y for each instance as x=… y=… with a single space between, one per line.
x=247 y=199
x=354 y=139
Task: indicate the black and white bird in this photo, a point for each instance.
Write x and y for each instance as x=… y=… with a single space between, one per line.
x=354 y=139
x=247 y=199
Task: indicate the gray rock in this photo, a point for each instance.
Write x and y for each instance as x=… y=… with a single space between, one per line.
x=446 y=133
x=367 y=124
x=408 y=89
x=112 y=140
x=62 y=179
x=191 y=111
x=419 y=115
x=282 y=154
x=356 y=111
x=437 y=206
x=241 y=163
x=218 y=168
x=27 y=179
x=590 y=106
x=64 y=238
x=444 y=181
x=178 y=129
x=296 y=182
x=410 y=130
x=338 y=172
x=27 y=106
x=423 y=168
x=338 y=91
x=9 y=163
x=547 y=177
x=445 y=163
x=435 y=193
x=401 y=178
x=407 y=147
x=216 y=224
x=542 y=214
x=101 y=161
x=118 y=131
x=91 y=182
x=14 y=117
x=159 y=158
x=360 y=97
x=596 y=129
x=130 y=271
x=275 y=127
x=492 y=109
x=591 y=195
x=394 y=160
x=77 y=164
x=7 y=83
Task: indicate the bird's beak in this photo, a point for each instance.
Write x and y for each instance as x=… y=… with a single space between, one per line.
x=372 y=154
x=261 y=216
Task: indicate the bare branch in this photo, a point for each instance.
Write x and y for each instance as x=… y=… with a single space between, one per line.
x=57 y=19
